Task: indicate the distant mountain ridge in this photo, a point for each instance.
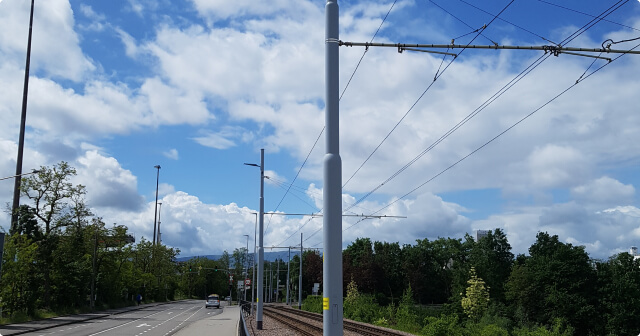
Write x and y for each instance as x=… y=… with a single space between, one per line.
x=268 y=256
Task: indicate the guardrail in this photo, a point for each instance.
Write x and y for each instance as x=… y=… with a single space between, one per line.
x=245 y=311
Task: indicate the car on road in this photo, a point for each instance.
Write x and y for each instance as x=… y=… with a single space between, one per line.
x=213 y=301
x=228 y=298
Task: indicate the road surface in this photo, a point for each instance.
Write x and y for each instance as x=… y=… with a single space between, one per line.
x=181 y=318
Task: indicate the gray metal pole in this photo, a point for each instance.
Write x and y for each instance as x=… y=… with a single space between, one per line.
x=332 y=219
x=300 y=278
x=253 y=283
x=155 y=214
x=288 y=269
x=270 y=283
x=23 y=122
x=260 y=245
x=159 y=221
x=277 y=280
x=246 y=269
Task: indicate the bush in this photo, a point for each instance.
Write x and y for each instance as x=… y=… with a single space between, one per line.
x=382 y=299
x=405 y=315
x=559 y=328
x=313 y=303
x=445 y=325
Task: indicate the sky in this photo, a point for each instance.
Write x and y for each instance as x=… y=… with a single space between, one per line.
x=200 y=86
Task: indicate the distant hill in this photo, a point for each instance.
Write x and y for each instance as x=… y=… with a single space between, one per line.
x=268 y=256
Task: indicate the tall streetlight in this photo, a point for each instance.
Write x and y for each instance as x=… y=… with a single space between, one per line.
x=159 y=232
x=260 y=241
x=155 y=214
x=255 y=228
x=23 y=121
x=246 y=268
x=18 y=176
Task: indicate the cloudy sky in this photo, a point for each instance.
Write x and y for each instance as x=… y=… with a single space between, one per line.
x=199 y=86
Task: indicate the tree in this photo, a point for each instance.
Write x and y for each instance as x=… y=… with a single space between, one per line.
x=556 y=282
x=492 y=259
x=20 y=281
x=55 y=202
x=476 y=299
x=311 y=270
x=358 y=264
x=388 y=269
x=619 y=295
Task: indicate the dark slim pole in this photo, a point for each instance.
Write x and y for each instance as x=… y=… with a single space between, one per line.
x=23 y=121
x=155 y=213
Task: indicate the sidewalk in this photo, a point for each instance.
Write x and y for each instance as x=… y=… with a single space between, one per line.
x=224 y=324
x=31 y=326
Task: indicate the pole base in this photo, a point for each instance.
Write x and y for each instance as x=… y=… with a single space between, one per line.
x=259 y=323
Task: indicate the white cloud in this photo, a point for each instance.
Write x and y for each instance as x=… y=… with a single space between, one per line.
x=131 y=48
x=55 y=46
x=108 y=184
x=261 y=65
x=171 y=106
x=604 y=191
x=224 y=9
x=171 y=154
x=224 y=139
x=97 y=19
x=556 y=166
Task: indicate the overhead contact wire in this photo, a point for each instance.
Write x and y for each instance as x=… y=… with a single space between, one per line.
x=341 y=95
x=414 y=104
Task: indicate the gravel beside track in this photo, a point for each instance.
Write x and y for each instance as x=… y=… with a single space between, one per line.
x=272 y=327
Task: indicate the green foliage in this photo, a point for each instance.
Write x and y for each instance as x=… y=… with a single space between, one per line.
x=556 y=282
x=446 y=325
x=619 y=295
x=406 y=317
x=58 y=248
x=20 y=290
x=493 y=330
x=559 y=328
x=476 y=300
x=313 y=303
x=360 y=307
x=492 y=259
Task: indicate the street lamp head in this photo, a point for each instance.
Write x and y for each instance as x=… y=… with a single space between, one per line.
x=156 y=166
x=252 y=164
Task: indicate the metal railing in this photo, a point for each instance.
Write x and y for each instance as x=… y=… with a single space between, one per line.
x=245 y=311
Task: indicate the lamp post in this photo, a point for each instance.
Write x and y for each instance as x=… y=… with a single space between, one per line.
x=260 y=241
x=159 y=232
x=155 y=214
x=23 y=121
x=20 y=175
x=246 y=268
x=255 y=228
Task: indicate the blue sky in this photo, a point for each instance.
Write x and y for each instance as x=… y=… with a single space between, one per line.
x=199 y=86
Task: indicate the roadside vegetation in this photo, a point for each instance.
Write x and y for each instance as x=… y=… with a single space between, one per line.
x=59 y=248
x=463 y=287
x=59 y=253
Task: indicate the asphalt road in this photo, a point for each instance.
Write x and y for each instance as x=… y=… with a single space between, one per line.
x=163 y=320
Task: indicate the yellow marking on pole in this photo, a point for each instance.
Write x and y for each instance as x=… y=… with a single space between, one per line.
x=325 y=303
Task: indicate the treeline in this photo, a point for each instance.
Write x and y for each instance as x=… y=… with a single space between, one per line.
x=484 y=289
x=60 y=258
x=58 y=253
